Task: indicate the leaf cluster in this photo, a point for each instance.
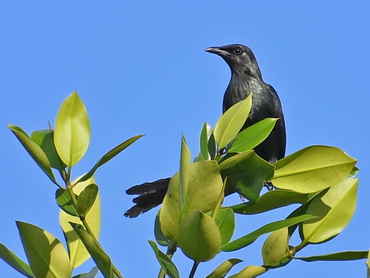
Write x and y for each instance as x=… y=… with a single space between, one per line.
x=320 y=179
x=57 y=151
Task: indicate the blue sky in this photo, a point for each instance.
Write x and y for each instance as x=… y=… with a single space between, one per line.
x=140 y=68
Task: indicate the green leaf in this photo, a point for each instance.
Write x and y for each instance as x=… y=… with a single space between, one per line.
x=12 y=259
x=225 y=221
x=224 y=268
x=101 y=259
x=199 y=236
x=159 y=236
x=252 y=136
x=334 y=208
x=271 y=200
x=312 y=169
x=268 y=228
x=64 y=201
x=204 y=137
x=246 y=174
x=44 y=138
x=340 y=256
x=77 y=251
x=34 y=151
x=72 y=130
x=184 y=172
x=45 y=253
x=167 y=265
x=251 y=271
x=91 y=274
x=231 y=122
x=205 y=185
x=86 y=199
x=275 y=247
x=109 y=155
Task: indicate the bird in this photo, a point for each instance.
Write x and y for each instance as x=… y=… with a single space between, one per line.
x=245 y=78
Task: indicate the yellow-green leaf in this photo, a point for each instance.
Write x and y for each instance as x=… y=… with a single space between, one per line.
x=230 y=123
x=275 y=247
x=34 y=151
x=252 y=136
x=77 y=250
x=102 y=260
x=205 y=185
x=184 y=171
x=223 y=268
x=335 y=209
x=72 y=130
x=312 y=169
x=251 y=271
x=199 y=236
x=12 y=259
x=46 y=254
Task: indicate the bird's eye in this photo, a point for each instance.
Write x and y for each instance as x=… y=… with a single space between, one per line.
x=238 y=50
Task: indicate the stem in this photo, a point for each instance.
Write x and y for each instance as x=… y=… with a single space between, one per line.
x=171 y=249
x=193 y=269
x=85 y=224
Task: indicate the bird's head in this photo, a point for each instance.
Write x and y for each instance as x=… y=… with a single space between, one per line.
x=240 y=58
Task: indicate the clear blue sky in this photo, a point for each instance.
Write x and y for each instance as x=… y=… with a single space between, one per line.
x=140 y=68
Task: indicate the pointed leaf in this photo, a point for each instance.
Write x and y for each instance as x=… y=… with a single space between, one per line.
x=246 y=174
x=72 y=130
x=251 y=271
x=77 y=252
x=86 y=199
x=334 y=208
x=159 y=236
x=231 y=122
x=44 y=138
x=199 y=236
x=252 y=136
x=167 y=265
x=184 y=171
x=268 y=228
x=275 y=247
x=312 y=169
x=271 y=200
x=205 y=185
x=34 y=151
x=45 y=253
x=109 y=155
x=12 y=259
x=225 y=221
x=204 y=135
x=64 y=201
x=340 y=256
x=224 y=268
x=207 y=143
x=102 y=260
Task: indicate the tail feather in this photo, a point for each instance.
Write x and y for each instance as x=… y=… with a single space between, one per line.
x=151 y=194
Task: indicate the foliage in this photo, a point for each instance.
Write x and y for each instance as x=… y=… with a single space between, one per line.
x=58 y=151
x=320 y=179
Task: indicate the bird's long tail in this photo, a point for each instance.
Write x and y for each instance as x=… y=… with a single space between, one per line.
x=151 y=194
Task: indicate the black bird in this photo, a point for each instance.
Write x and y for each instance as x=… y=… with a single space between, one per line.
x=245 y=78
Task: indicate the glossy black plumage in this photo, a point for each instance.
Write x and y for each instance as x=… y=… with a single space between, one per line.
x=245 y=78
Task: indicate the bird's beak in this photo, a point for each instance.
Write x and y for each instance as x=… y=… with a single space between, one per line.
x=217 y=50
